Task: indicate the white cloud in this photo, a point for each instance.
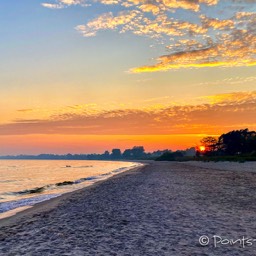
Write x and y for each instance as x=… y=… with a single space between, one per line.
x=52 y=6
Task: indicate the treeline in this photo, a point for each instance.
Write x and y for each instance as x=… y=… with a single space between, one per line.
x=237 y=145
x=234 y=143
x=179 y=155
x=135 y=153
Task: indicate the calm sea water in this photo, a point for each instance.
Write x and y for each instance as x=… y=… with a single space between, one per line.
x=26 y=182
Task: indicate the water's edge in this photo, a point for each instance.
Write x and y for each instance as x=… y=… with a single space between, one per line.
x=11 y=208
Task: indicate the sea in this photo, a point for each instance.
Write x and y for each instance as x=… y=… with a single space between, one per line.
x=24 y=183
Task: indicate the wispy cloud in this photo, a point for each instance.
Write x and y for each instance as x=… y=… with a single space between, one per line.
x=230 y=81
x=209 y=33
x=52 y=6
x=218 y=114
x=235 y=49
x=235 y=97
x=59 y=4
x=25 y=110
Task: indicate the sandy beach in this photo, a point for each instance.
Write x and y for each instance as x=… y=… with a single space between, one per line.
x=162 y=208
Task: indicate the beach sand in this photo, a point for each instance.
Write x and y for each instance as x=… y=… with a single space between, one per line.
x=159 y=209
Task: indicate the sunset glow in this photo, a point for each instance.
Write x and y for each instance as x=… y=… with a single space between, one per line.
x=202 y=148
x=84 y=76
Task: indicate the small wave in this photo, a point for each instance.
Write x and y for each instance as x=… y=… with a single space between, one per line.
x=64 y=183
x=42 y=189
x=85 y=179
x=121 y=169
x=106 y=174
x=10 y=205
x=7 y=206
x=91 y=178
x=30 y=191
x=39 y=190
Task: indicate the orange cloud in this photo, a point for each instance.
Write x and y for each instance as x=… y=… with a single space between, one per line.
x=25 y=110
x=216 y=23
x=236 y=49
x=163 y=4
x=208 y=42
x=216 y=116
x=237 y=97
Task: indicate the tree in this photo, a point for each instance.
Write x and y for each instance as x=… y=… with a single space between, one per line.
x=209 y=145
x=127 y=153
x=170 y=156
x=106 y=155
x=138 y=151
x=237 y=142
x=116 y=153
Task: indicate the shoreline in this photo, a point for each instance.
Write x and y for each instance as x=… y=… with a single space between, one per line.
x=53 y=202
x=162 y=208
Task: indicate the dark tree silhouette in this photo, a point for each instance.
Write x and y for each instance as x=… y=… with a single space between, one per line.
x=138 y=151
x=210 y=144
x=116 y=153
x=127 y=153
x=170 y=156
x=237 y=142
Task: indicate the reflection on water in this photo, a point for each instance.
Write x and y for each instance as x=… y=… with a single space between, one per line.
x=26 y=182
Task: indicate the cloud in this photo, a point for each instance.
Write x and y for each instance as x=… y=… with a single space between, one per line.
x=207 y=33
x=25 y=110
x=135 y=22
x=150 y=8
x=60 y=4
x=216 y=115
x=233 y=98
x=107 y=21
x=52 y=6
x=235 y=49
x=216 y=23
x=71 y=2
x=109 y=2
x=230 y=81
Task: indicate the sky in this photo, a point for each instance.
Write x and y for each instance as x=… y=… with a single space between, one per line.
x=83 y=76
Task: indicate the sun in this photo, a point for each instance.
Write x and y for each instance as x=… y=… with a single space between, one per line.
x=202 y=148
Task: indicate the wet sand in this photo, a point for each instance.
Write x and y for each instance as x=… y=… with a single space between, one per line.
x=160 y=209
